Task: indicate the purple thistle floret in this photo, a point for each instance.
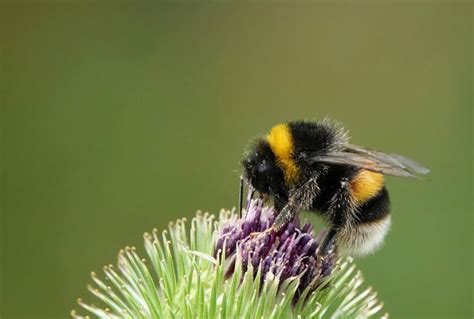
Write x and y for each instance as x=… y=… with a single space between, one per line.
x=290 y=252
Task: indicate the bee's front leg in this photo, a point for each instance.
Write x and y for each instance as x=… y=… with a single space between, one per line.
x=285 y=216
x=299 y=199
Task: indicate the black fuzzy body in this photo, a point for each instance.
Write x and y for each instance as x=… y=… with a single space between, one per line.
x=311 y=139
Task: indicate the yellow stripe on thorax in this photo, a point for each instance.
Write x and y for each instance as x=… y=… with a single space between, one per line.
x=365 y=185
x=281 y=143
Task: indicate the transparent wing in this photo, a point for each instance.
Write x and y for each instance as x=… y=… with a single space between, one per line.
x=375 y=161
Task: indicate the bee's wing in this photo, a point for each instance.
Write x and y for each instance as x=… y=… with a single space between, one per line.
x=389 y=164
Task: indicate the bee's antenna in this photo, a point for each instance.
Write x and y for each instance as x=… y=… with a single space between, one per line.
x=241 y=195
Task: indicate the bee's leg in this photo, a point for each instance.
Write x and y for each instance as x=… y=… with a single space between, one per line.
x=284 y=217
x=298 y=199
x=278 y=203
x=341 y=211
x=328 y=245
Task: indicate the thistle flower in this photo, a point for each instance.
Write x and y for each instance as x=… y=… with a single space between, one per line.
x=215 y=270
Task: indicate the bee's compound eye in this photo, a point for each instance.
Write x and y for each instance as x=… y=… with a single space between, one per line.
x=263 y=167
x=261 y=172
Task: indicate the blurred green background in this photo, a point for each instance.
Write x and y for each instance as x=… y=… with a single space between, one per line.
x=117 y=118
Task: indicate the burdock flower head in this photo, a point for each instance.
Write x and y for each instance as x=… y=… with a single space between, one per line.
x=217 y=270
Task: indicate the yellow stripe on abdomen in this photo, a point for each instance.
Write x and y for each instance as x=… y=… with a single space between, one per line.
x=365 y=185
x=281 y=143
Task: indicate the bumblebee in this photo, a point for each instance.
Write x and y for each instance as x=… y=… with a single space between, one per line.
x=311 y=166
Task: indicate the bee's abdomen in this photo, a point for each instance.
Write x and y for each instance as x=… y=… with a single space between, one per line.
x=365 y=185
x=369 y=195
x=369 y=228
x=374 y=209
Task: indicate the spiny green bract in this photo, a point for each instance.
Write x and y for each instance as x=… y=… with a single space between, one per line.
x=181 y=279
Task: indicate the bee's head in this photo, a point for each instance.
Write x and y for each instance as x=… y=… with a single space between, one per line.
x=262 y=171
